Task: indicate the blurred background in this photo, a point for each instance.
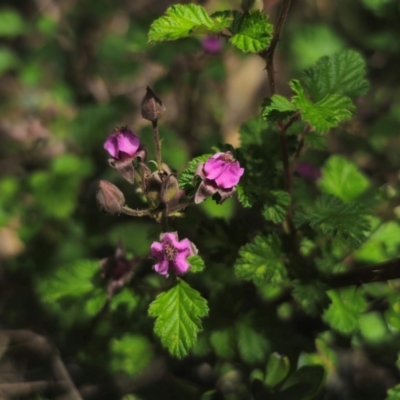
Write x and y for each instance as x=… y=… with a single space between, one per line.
x=71 y=71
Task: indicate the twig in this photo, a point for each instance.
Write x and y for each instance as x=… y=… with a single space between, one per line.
x=269 y=54
x=135 y=213
x=157 y=144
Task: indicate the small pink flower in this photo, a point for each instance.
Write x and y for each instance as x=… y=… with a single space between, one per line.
x=308 y=171
x=171 y=254
x=122 y=144
x=211 y=44
x=220 y=173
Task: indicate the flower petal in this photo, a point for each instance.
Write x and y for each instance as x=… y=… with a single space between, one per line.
x=230 y=177
x=162 y=267
x=128 y=142
x=171 y=237
x=181 y=265
x=156 y=250
x=111 y=145
x=214 y=168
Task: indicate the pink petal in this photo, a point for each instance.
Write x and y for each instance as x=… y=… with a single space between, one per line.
x=183 y=246
x=214 y=168
x=156 y=250
x=111 y=145
x=181 y=265
x=128 y=143
x=162 y=267
x=230 y=177
x=170 y=236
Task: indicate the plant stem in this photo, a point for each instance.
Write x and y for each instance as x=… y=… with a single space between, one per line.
x=157 y=144
x=299 y=148
x=135 y=213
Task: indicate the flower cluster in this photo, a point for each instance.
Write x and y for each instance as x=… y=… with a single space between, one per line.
x=220 y=174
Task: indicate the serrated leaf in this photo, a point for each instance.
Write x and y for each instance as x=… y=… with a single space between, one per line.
x=342 y=178
x=252 y=346
x=347 y=221
x=315 y=140
x=342 y=73
x=251 y=32
x=277 y=369
x=261 y=261
x=311 y=297
x=185 y=181
x=246 y=199
x=181 y=20
x=196 y=263
x=313 y=375
x=131 y=354
x=96 y=302
x=277 y=108
x=224 y=343
x=178 y=312
x=346 y=307
x=276 y=208
x=324 y=114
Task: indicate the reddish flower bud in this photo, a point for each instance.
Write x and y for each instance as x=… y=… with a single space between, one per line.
x=152 y=106
x=109 y=198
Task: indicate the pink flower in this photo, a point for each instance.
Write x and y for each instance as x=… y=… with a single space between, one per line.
x=220 y=174
x=308 y=171
x=171 y=254
x=122 y=144
x=211 y=44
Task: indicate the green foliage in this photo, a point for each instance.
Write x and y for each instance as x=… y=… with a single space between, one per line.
x=251 y=31
x=344 y=311
x=8 y=59
x=186 y=179
x=126 y=298
x=178 y=312
x=333 y=217
x=342 y=73
x=182 y=20
x=277 y=108
x=342 y=178
x=277 y=369
x=11 y=23
x=393 y=393
x=131 y=354
x=311 y=297
x=252 y=345
x=261 y=261
x=223 y=342
x=325 y=113
x=196 y=263
x=276 y=208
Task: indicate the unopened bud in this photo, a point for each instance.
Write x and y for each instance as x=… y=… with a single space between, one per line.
x=109 y=198
x=152 y=106
x=169 y=189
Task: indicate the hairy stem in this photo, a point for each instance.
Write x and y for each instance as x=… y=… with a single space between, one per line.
x=157 y=144
x=135 y=213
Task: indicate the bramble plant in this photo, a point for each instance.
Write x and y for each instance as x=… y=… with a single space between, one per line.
x=212 y=289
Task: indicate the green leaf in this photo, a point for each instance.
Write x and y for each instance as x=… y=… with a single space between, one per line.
x=196 y=263
x=314 y=375
x=8 y=59
x=394 y=393
x=324 y=114
x=11 y=23
x=261 y=261
x=347 y=306
x=315 y=140
x=275 y=210
x=224 y=343
x=178 y=312
x=131 y=354
x=186 y=179
x=311 y=297
x=96 y=302
x=252 y=346
x=182 y=20
x=277 y=369
x=125 y=298
x=251 y=32
x=342 y=73
x=277 y=108
x=342 y=178
x=347 y=221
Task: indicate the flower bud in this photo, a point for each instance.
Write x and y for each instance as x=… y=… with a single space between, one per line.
x=109 y=198
x=169 y=189
x=152 y=106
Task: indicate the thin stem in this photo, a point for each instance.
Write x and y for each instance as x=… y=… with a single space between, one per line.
x=269 y=54
x=299 y=147
x=135 y=213
x=157 y=144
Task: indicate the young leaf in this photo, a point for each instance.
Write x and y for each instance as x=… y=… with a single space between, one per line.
x=342 y=178
x=324 y=114
x=224 y=343
x=196 y=263
x=252 y=345
x=251 y=32
x=347 y=221
x=342 y=73
x=178 y=312
x=181 y=20
x=185 y=181
x=261 y=261
x=277 y=369
x=346 y=307
x=277 y=108
x=276 y=208
x=311 y=297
